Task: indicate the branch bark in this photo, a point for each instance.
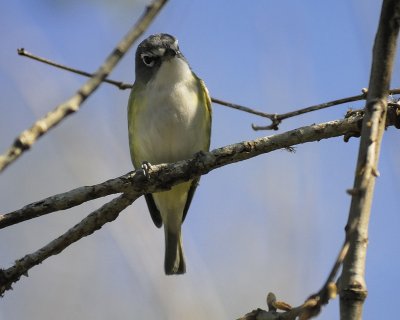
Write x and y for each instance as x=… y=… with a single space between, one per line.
x=87 y=226
x=353 y=289
x=27 y=138
x=349 y=126
x=66 y=200
x=161 y=177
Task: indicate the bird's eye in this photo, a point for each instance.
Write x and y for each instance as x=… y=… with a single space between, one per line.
x=148 y=60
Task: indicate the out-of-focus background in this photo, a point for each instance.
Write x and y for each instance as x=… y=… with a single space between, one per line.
x=274 y=223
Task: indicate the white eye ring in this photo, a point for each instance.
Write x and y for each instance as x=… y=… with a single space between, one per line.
x=147 y=59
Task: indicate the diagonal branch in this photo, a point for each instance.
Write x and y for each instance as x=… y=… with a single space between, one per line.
x=118 y=84
x=275 y=118
x=353 y=289
x=350 y=126
x=66 y=200
x=162 y=177
x=312 y=306
x=87 y=226
x=27 y=138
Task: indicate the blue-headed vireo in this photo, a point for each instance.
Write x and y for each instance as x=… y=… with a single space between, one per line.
x=169 y=119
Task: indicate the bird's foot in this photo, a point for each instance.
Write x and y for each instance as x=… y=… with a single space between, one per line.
x=146 y=167
x=199 y=154
x=203 y=157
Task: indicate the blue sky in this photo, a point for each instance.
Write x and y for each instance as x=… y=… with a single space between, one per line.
x=273 y=223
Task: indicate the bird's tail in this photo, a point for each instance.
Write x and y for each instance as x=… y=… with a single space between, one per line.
x=174 y=262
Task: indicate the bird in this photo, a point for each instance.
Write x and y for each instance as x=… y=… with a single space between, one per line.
x=169 y=119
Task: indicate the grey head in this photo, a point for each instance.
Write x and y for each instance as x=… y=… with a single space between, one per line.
x=152 y=52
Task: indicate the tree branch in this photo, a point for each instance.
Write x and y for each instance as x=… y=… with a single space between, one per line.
x=66 y=200
x=87 y=226
x=312 y=306
x=161 y=177
x=275 y=118
x=27 y=138
x=350 y=126
x=118 y=84
x=353 y=290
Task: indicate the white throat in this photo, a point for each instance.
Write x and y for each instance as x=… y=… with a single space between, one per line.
x=171 y=72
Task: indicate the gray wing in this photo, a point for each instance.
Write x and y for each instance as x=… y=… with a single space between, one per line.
x=207 y=103
x=154 y=212
x=192 y=189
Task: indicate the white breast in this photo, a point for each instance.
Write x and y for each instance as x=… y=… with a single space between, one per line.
x=172 y=125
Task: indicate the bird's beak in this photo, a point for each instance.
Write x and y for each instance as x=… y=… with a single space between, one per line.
x=170 y=53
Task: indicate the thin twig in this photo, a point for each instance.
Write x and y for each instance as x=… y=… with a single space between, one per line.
x=123 y=86
x=350 y=126
x=353 y=289
x=87 y=226
x=279 y=117
x=24 y=53
x=323 y=293
x=312 y=306
x=243 y=108
x=272 y=314
x=275 y=118
x=27 y=138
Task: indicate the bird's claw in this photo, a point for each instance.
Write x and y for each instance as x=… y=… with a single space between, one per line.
x=146 y=167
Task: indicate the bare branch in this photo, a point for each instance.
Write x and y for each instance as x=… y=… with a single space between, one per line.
x=162 y=177
x=312 y=306
x=239 y=107
x=279 y=117
x=27 y=138
x=307 y=310
x=353 y=289
x=350 y=126
x=24 y=53
x=66 y=200
x=87 y=226
x=275 y=118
